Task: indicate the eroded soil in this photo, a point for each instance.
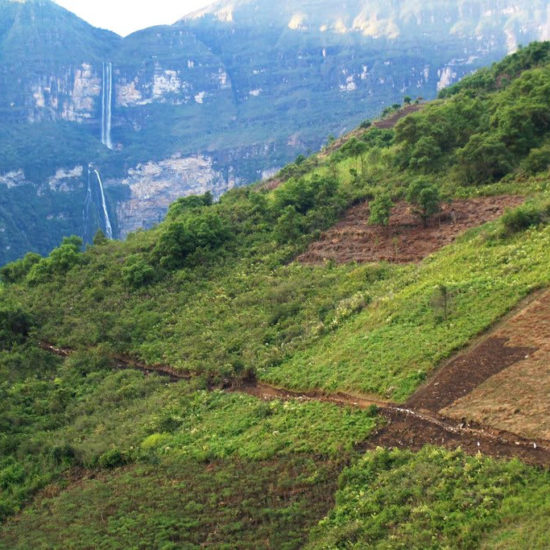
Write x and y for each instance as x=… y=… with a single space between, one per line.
x=516 y=398
x=466 y=372
x=405 y=239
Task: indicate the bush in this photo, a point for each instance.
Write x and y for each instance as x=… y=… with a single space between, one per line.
x=15 y=325
x=185 y=204
x=380 y=210
x=425 y=198
x=15 y=272
x=137 y=272
x=523 y=217
x=205 y=230
x=111 y=459
x=60 y=260
x=537 y=161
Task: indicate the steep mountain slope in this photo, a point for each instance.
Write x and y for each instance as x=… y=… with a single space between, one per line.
x=196 y=385
x=223 y=97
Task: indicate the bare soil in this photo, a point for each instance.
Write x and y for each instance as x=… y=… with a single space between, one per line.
x=516 y=398
x=405 y=239
x=414 y=432
x=466 y=372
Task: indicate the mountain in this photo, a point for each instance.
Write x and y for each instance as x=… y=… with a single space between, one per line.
x=353 y=356
x=224 y=97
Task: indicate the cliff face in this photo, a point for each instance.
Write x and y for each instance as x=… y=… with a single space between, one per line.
x=224 y=96
x=155 y=185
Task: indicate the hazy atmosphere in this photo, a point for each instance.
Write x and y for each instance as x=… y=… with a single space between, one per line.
x=127 y=16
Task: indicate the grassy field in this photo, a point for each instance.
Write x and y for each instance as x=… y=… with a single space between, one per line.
x=436 y=499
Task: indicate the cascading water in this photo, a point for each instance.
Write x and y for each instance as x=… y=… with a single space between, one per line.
x=107 y=100
x=108 y=226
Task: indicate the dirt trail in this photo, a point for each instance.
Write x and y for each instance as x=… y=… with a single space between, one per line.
x=418 y=422
x=412 y=429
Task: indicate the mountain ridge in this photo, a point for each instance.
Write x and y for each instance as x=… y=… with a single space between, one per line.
x=208 y=104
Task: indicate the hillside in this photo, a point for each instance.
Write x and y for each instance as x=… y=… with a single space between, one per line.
x=221 y=99
x=206 y=383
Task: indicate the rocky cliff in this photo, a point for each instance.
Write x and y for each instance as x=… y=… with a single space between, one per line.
x=224 y=96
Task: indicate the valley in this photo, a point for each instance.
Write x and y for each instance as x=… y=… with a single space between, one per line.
x=213 y=102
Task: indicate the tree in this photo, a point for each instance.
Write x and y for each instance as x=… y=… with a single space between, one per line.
x=16 y=271
x=100 y=238
x=407 y=100
x=425 y=199
x=137 y=272
x=289 y=226
x=380 y=210
x=356 y=148
x=484 y=159
x=425 y=154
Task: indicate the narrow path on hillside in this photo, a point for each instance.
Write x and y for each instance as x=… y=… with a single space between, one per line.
x=417 y=423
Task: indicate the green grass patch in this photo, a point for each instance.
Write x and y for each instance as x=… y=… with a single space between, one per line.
x=436 y=499
x=395 y=342
x=181 y=503
x=83 y=414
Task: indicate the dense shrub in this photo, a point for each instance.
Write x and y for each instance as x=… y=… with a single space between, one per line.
x=537 y=161
x=525 y=216
x=15 y=325
x=425 y=199
x=137 y=272
x=59 y=262
x=185 y=204
x=16 y=271
x=204 y=230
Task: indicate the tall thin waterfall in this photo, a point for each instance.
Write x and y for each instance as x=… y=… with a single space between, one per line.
x=108 y=226
x=107 y=101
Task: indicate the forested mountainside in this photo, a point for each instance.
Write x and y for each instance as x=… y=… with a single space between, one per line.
x=239 y=377
x=221 y=99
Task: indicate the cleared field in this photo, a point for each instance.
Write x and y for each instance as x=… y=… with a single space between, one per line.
x=517 y=398
x=405 y=239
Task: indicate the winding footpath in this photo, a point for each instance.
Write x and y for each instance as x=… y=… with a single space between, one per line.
x=414 y=424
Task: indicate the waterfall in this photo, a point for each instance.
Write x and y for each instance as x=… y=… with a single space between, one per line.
x=108 y=227
x=106 y=100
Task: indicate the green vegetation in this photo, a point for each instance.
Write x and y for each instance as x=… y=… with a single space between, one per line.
x=390 y=346
x=80 y=413
x=214 y=291
x=380 y=209
x=223 y=504
x=436 y=499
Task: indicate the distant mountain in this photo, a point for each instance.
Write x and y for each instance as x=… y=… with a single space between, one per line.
x=220 y=99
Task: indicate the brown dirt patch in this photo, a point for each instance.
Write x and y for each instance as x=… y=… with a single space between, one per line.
x=413 y=432
x=518 y=397
x=391 y=121
x=466 y=372
x=405 y=239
